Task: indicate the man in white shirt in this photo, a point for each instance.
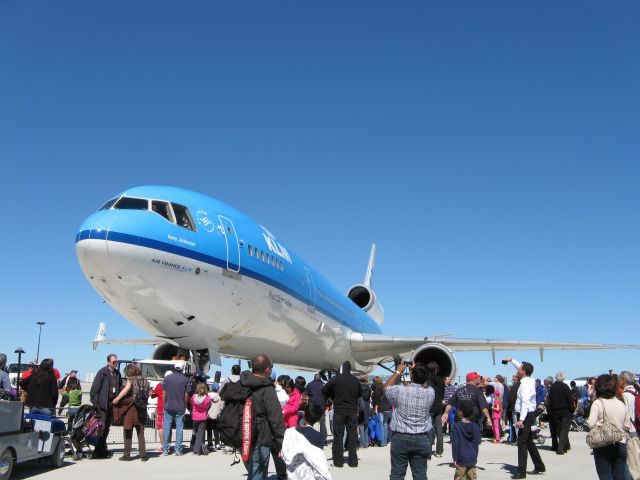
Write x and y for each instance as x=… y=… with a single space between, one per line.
x=525 y=408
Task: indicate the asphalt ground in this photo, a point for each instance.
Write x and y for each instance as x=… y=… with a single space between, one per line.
x=496 y=461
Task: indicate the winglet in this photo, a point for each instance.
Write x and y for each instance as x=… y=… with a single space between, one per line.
x=100 y=335
x=372 y=263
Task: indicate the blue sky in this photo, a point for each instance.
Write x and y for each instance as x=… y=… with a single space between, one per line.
x=490 y=150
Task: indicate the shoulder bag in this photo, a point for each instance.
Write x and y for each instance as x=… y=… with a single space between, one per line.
x=605 y=434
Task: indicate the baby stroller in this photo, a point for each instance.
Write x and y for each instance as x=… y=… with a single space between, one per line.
x=578 y=423
x=86 y=431
x=537 y=436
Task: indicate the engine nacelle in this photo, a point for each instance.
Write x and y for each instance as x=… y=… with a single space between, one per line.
x=365 y=298
x=166 y=351
x=436 y=352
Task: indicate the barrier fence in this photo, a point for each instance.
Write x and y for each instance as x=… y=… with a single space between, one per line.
x=151 y=433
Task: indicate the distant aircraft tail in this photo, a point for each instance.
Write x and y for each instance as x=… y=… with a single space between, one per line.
x=100 y=335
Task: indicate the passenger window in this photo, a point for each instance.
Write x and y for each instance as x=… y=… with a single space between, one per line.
x=183 y=217
x=263 y=256
x=109 y=204
x=161 y=208
x=129 y=203
x=268 y=259
x=250 y=251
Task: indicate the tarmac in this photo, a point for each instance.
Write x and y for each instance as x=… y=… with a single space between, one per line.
x=496 y=461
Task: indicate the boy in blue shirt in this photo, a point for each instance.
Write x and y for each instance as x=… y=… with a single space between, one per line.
x=465 y=439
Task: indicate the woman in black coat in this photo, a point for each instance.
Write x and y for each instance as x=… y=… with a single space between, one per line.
x=42 y=389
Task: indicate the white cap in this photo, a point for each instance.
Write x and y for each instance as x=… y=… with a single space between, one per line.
x=167 y=373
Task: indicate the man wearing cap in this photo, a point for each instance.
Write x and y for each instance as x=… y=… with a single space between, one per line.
x=526 y=410
x=68 y=383
x=470 y=392
x=176 y=391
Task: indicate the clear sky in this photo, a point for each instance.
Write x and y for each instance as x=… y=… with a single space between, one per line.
x=491 y=150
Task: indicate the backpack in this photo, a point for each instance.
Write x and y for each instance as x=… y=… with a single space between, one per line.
x=93 y=429
x=234 y=396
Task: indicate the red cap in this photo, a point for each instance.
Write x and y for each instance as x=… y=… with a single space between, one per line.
x=472 y=376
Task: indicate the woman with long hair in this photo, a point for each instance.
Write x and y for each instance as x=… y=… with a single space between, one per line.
x=42 y=389
x=611 y=460
x=131 y=406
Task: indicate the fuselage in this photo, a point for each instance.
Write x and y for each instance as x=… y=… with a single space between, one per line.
x=189 y=268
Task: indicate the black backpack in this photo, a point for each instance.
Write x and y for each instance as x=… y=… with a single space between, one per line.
x=234 y=396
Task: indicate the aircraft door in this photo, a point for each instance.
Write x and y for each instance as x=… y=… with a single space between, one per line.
x=233 y=246
x=312 y=289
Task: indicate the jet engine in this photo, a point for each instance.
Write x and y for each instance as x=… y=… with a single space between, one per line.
x=436 y=352
x=166 y=351
x=365 y=298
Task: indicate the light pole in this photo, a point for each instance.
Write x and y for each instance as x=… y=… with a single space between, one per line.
x=19 y=351
x=39 y=335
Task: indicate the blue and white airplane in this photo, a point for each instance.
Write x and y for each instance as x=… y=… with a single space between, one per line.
x=206 y=280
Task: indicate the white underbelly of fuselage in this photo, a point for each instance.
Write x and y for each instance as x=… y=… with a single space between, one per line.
x=200 y=306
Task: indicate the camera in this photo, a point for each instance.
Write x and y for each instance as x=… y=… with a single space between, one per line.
x=407 y=362
x=504 y=362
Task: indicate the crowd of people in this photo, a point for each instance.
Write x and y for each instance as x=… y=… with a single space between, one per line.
x=413 y=413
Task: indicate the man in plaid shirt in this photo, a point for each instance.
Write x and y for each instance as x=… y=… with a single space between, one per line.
x=410 y=422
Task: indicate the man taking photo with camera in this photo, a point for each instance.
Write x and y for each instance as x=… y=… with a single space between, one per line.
x=410 y=421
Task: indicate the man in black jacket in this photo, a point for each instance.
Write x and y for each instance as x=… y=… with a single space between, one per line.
x=314 y=390
x=105 y=387
x=437 y=408
x=560 y=407
x=344 y=390
x=269 y=423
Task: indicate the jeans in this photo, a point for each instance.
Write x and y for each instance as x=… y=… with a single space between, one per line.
x=527 y=444
x=323 y=427
x=42 y=411
x=340 y=421
x=171 y=416
x=258 y=464
x=199 y=427
x=611 y=461
x=363 y=433
x=409 y=450
x=435 y=434
x=385 y=418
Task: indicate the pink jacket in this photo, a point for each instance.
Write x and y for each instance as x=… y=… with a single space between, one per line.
x=290 y=410
x=200 y=406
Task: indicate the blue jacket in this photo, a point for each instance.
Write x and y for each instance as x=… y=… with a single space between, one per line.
x=465 y=440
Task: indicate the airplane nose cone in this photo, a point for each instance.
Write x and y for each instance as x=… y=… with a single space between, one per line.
x=91 y=246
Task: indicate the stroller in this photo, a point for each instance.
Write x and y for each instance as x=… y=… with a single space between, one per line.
x=578 y=423
x=86 y=431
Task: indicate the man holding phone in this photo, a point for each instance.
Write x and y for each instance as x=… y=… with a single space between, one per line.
x=410 y=421
x=471 y=393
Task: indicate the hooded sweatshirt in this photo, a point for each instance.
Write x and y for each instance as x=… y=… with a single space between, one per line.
x=345 y=390
x=200 y=405
x=269 y=423
x=465 y=439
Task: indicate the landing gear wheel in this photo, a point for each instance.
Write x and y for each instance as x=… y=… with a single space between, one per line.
x=579 y=428
x=57 y=456
x=541 y=439
x=6 y=464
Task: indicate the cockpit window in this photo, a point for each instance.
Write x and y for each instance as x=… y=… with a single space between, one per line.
x=129 y=203
x=161 y=208
x=183 y=218
x=109 y=204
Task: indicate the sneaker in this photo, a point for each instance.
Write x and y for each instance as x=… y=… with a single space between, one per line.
x=219 y=446
x=178 y=453
x=159 y=450
x=205 y=450
x=165 y=453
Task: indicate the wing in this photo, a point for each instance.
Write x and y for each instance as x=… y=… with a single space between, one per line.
x=101 y=338
x=368 y=347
